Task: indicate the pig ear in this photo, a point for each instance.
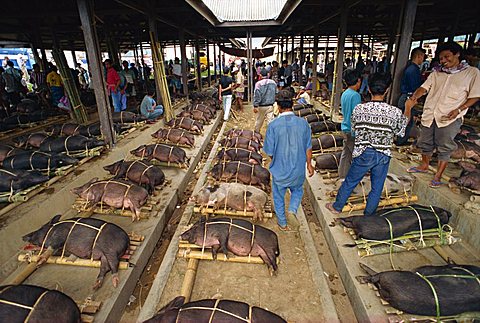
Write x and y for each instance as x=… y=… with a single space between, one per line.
x=55 y=219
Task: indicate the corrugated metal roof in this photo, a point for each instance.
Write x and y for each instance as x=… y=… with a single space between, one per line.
x=245 y=10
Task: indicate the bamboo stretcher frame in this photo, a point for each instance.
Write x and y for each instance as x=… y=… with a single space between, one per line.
x=227 y=211
x=100 y=208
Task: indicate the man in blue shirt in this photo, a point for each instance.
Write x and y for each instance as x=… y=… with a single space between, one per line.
x=350 y=99
x=411 y=81
x=288 y=142
x=149 y=108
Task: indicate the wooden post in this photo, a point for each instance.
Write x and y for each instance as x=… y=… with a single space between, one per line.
x=85 y=8
x=184 y=61
x=249 y=66
x=301 y=60
x=215 y=75
x=315 y=62
x=281 y=50
x=403 y=51
x=152 y=24
x=286 y=48
x=293 y=49
x=74 y=56
x=197 y=64
x=325 y=55
x=471 y=40
x=338 y=74
x=208 y=63
x=370 y=46
x=38 y=60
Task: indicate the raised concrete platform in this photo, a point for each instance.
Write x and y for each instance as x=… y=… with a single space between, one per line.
x=302 y=291
x=366 y=305
x=77 y=281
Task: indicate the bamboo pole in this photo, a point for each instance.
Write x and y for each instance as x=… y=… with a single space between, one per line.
x=387 y=202
x=189 y=280
x=156 y=162
x=396 y=248
x=65 y=261
x=197 y=254
x=28 y=270
x=210 y=210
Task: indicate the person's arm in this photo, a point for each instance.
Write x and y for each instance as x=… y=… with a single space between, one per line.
x=257 y=98
x=220 y=91
x=454 y=113
x=310 y=168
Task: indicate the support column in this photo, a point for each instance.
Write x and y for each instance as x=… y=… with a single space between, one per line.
x=471 y=40
x=85 y=8
x=215 y=62
x=338 y=72
x=403 y=50
x=152 y=25
x=325 y=56
x=315 y=62
x=208 y=63
x=293 y=49
x=301 y=60
x=38 y=60
x=184 y=61
x=197 y=64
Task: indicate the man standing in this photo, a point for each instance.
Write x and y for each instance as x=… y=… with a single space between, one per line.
x=239 y=80
x=55 y=84
x=13 y=83
x=375 y=124
x=113 y=86
x=263 y=99
x=288 y=143
x=285 y=73
x=176 y=73
x=225 y=92
x=411 y=81
x=452 y=89
x=39 y=81
x=350 y=99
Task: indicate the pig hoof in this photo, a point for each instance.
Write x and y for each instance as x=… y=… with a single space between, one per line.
x=115 y=280
x=98 y=284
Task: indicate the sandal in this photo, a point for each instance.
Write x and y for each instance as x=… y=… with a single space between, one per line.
x=416 y=170
x=284 y=229
x=435 y=184
x=330 y=207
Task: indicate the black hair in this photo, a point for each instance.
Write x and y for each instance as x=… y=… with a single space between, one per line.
x=35 y=65
x=108 y=60
x=151 y=91
x=416 y=51
x=10 y=63
x=226 y=70
x=284 y=62
x=288 y=104
x=379 y=83
x=451 y=46
x=351 y=77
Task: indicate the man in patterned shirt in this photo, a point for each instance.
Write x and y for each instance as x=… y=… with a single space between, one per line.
x=374 y=123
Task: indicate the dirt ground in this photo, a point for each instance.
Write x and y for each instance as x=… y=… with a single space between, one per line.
x=291 y=292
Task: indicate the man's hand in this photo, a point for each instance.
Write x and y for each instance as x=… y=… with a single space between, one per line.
x=453 y=114
x=410 y=103
x=255 y=110
x=310 y=169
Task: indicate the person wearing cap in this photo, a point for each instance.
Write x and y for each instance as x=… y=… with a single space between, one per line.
x=239 y=79
x=263 y=99
x=225 y=92
x=288 y=143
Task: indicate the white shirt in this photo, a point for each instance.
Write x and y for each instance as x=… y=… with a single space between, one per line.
x=177 y=69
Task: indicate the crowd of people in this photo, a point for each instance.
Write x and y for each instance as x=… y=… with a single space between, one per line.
x=370 y=125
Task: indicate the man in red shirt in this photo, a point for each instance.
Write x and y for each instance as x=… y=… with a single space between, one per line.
x=113 y=85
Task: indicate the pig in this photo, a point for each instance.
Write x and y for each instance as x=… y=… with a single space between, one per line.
x=404 y=219
x=456 y=289
x=240 y=154
x=393 y=184
x=466 y=149
x=239 y=171
x=187 y=124
x=324 y=126
x=7 y=151
x=236 y=196
x=32 y=140
x=176 y=136
x=235 y=235
x=177 y=311
x=249 y=134
x=315 y=117
x=140 y=172
x=66 y=129
x=38 y=160
x=127 y=117
x=85 y=238
x=162 y=152
x=27 y=106
x=70 y=144
x=298 y=106
x=116 y=193
x=328 y=161
x=196 y=115
x=94 y=129
x=29 y=118
x=469 y=178
x=326 y=142
x=304 y=112
x=204 y=108
x=50 y=305
x=241 y=142
x=17 y=180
